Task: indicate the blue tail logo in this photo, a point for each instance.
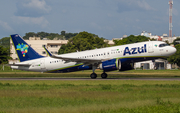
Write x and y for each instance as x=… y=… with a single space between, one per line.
x=23 y=48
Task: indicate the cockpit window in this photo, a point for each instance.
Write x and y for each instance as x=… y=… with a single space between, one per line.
x=163 y=45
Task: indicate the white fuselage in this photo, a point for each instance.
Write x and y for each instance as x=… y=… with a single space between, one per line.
x=149 y=49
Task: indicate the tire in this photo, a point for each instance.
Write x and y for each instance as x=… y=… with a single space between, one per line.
x=104 y=75
x=93 y=76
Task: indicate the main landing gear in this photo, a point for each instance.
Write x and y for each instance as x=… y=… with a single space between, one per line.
x=94 y=75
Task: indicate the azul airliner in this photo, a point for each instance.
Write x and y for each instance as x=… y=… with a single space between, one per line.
x=107 y=59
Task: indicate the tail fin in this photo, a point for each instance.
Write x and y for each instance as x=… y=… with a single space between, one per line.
x=23 y=50
x=49 y=54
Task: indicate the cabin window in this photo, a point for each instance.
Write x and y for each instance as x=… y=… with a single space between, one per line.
x=54 y=46
x=163 y=45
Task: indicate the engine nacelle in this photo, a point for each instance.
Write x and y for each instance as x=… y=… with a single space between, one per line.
x=110 y=65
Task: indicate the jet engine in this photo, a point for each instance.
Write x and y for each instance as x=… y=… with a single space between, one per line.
x=110 y=65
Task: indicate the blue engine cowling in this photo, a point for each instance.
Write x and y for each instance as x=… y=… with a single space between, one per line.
x=110 y=65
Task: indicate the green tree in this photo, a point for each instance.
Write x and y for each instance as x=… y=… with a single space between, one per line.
x=42 y=35
x=176 y=41
x=4 y=55
x=63 y=33
x=167 y=42
x=82 y=41
x=175 y=58
x=70 y=35
x=131 y=39
x=30 y=34
x=5 y=42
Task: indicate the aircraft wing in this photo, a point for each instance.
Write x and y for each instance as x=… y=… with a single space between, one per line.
x=68 y=59
x=79 y=60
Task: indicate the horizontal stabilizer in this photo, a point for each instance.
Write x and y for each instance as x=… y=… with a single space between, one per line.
x=26 y=65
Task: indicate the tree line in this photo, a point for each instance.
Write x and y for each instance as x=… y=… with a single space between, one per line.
x=50 y=36
x=131 y=39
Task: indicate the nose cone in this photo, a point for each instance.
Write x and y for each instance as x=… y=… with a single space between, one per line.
x=172 y=50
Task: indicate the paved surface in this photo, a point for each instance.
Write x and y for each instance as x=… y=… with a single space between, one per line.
x=43 y=78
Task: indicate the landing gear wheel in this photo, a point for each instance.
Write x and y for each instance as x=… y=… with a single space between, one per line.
x=93 y=76
x=104 y=75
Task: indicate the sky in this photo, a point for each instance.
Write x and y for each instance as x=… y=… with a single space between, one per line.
x=105 y=18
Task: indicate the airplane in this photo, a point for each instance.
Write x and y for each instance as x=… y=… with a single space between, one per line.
x=107 y=59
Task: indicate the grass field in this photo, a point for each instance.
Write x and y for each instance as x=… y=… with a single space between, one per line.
x=89 y=96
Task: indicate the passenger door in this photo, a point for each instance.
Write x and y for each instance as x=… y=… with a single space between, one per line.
x=150 y=48
x=42 y=65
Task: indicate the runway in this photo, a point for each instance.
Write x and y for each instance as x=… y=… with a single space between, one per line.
x=47 y=78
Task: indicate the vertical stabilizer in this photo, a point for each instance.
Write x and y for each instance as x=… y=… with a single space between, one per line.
x=23 y=50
